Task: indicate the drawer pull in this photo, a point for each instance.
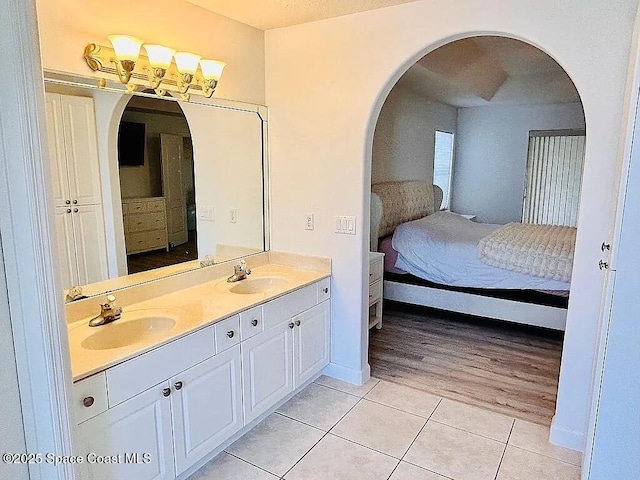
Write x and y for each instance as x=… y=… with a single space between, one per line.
x=88 y=401
x=178 y=385
x=325 y=289
x=291 y=325
x=254 y=322
x=75 y=210
x=297 y=323
x=166 y=392
x=230 y=333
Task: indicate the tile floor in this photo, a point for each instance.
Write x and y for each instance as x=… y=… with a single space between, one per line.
x=333 y=430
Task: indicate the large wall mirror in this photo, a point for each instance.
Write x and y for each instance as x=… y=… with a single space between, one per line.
x=146 y=186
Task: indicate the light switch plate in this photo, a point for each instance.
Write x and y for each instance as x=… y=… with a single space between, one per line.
x=233 y=215
x=206 y=212
x=346 y=225
x=309 y=223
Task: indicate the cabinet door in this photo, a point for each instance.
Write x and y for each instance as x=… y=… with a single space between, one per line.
x=90 y=243
x=81 y=149
x=311 y=342
x=267 y=374
x=55 y=134
x=206 y=406
x=65 y=247
x=135 y=435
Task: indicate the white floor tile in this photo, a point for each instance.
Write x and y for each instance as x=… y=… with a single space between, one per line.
x=473 y=419
x=535 y=438
x=382 y=428
x=276 y=444
x=319 y=406
x=228 y=467
x=359 y=390
x=338 y=459
x=406 y=471
x=455 y=453
x=519 y=464
x=403 y=398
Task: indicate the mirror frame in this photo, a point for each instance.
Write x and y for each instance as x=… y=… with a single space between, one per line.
x=115 y=283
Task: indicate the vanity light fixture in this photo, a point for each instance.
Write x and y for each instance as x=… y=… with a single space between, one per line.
x=189 y=73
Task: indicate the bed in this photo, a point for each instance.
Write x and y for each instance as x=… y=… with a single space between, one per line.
x=432 y=258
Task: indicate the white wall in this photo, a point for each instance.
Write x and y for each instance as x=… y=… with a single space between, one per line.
x=326 y=82
x=67 y=26
x=491 y=155
x=404 y=138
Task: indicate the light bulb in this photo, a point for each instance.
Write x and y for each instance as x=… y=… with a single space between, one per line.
x=211 y=69
x=126 y=47
x=187 y=62
x=159 y=55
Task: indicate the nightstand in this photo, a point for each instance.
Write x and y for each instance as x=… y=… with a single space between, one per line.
x=376 y=277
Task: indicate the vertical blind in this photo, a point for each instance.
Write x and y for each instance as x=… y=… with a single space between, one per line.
x=554 y=177
x=442 y=164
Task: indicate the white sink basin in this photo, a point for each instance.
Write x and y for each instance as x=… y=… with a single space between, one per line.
x=257 y=285
x=128 y=330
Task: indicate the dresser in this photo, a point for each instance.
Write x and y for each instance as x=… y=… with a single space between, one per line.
x=145 y=224
x=376 y=273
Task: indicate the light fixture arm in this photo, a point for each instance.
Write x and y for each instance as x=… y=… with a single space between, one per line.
x=209 y=86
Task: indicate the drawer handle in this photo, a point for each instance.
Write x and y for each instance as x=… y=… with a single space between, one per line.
x=297 y=323
x=325 y=289
x=88 y=401
x=230 y=333
x=178 y=385
x=291 y=325
x=166 y=392
x=254 y=322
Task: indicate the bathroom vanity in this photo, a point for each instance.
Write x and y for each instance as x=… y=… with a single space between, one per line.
x=193 y=363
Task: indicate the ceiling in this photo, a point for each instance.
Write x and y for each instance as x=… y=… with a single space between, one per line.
x=484 y=71
x=267 y=14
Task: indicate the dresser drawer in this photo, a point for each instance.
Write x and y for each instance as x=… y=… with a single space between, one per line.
x=375 y=292
x=227 y=333
x=324 y=289
x=90 y=397
x=135 y=207
x=146 y=221
x=145 y=240
x=375 y=270
x=251 y=323
x=155 y=205
x=140 y=373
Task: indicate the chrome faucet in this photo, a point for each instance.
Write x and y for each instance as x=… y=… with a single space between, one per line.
x=108 y=313
x=240 y=272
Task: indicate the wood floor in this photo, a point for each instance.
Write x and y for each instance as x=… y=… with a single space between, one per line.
x=495 y=365
x=141 y=262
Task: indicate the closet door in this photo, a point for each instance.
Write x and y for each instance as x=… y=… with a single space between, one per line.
x=65 y=251
x=90 y=244
x=173 y=188
x=59 y=175
x=81 y=149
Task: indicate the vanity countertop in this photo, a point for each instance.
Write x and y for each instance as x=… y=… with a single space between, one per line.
x=185 y=311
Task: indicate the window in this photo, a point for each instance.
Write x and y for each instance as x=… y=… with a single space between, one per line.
x=442 y=165
x=554 y=177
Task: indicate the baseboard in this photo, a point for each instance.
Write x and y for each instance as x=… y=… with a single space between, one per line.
x=349 y=375
x=564 y=437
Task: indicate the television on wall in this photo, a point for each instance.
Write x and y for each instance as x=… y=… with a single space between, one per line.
x=131 y=140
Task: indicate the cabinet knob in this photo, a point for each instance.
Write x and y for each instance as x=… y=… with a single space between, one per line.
x=68 y=210
x=230 y=333
x=166 y=392
x=88 y=401
x=325 y=289
x=297 y=323
x=75 y=202
x=291 y=325
x=68 y=202
x=254 y=322
x=75 y=210
x=178 y=385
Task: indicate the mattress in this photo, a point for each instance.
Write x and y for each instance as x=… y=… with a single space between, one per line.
x=442 y=248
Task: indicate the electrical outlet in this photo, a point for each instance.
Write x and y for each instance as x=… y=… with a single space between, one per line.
x=346 y=225
x=233 y=215
x=309 y=223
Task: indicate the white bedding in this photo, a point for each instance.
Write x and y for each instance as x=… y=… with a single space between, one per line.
x=442 y=248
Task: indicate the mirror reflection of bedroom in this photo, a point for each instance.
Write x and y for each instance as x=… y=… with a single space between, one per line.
x=476 y=176
x=155 y=157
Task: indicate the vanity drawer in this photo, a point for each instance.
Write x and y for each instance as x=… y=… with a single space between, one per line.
x=285 y=307
x=146 y=221
x=151 y=368
x=155 y=206
x=375 y=292
x=324 y=289
x=251 y=323
x=90 y=397
x=227 y=333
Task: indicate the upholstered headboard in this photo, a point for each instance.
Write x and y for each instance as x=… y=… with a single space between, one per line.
x=393 y=203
